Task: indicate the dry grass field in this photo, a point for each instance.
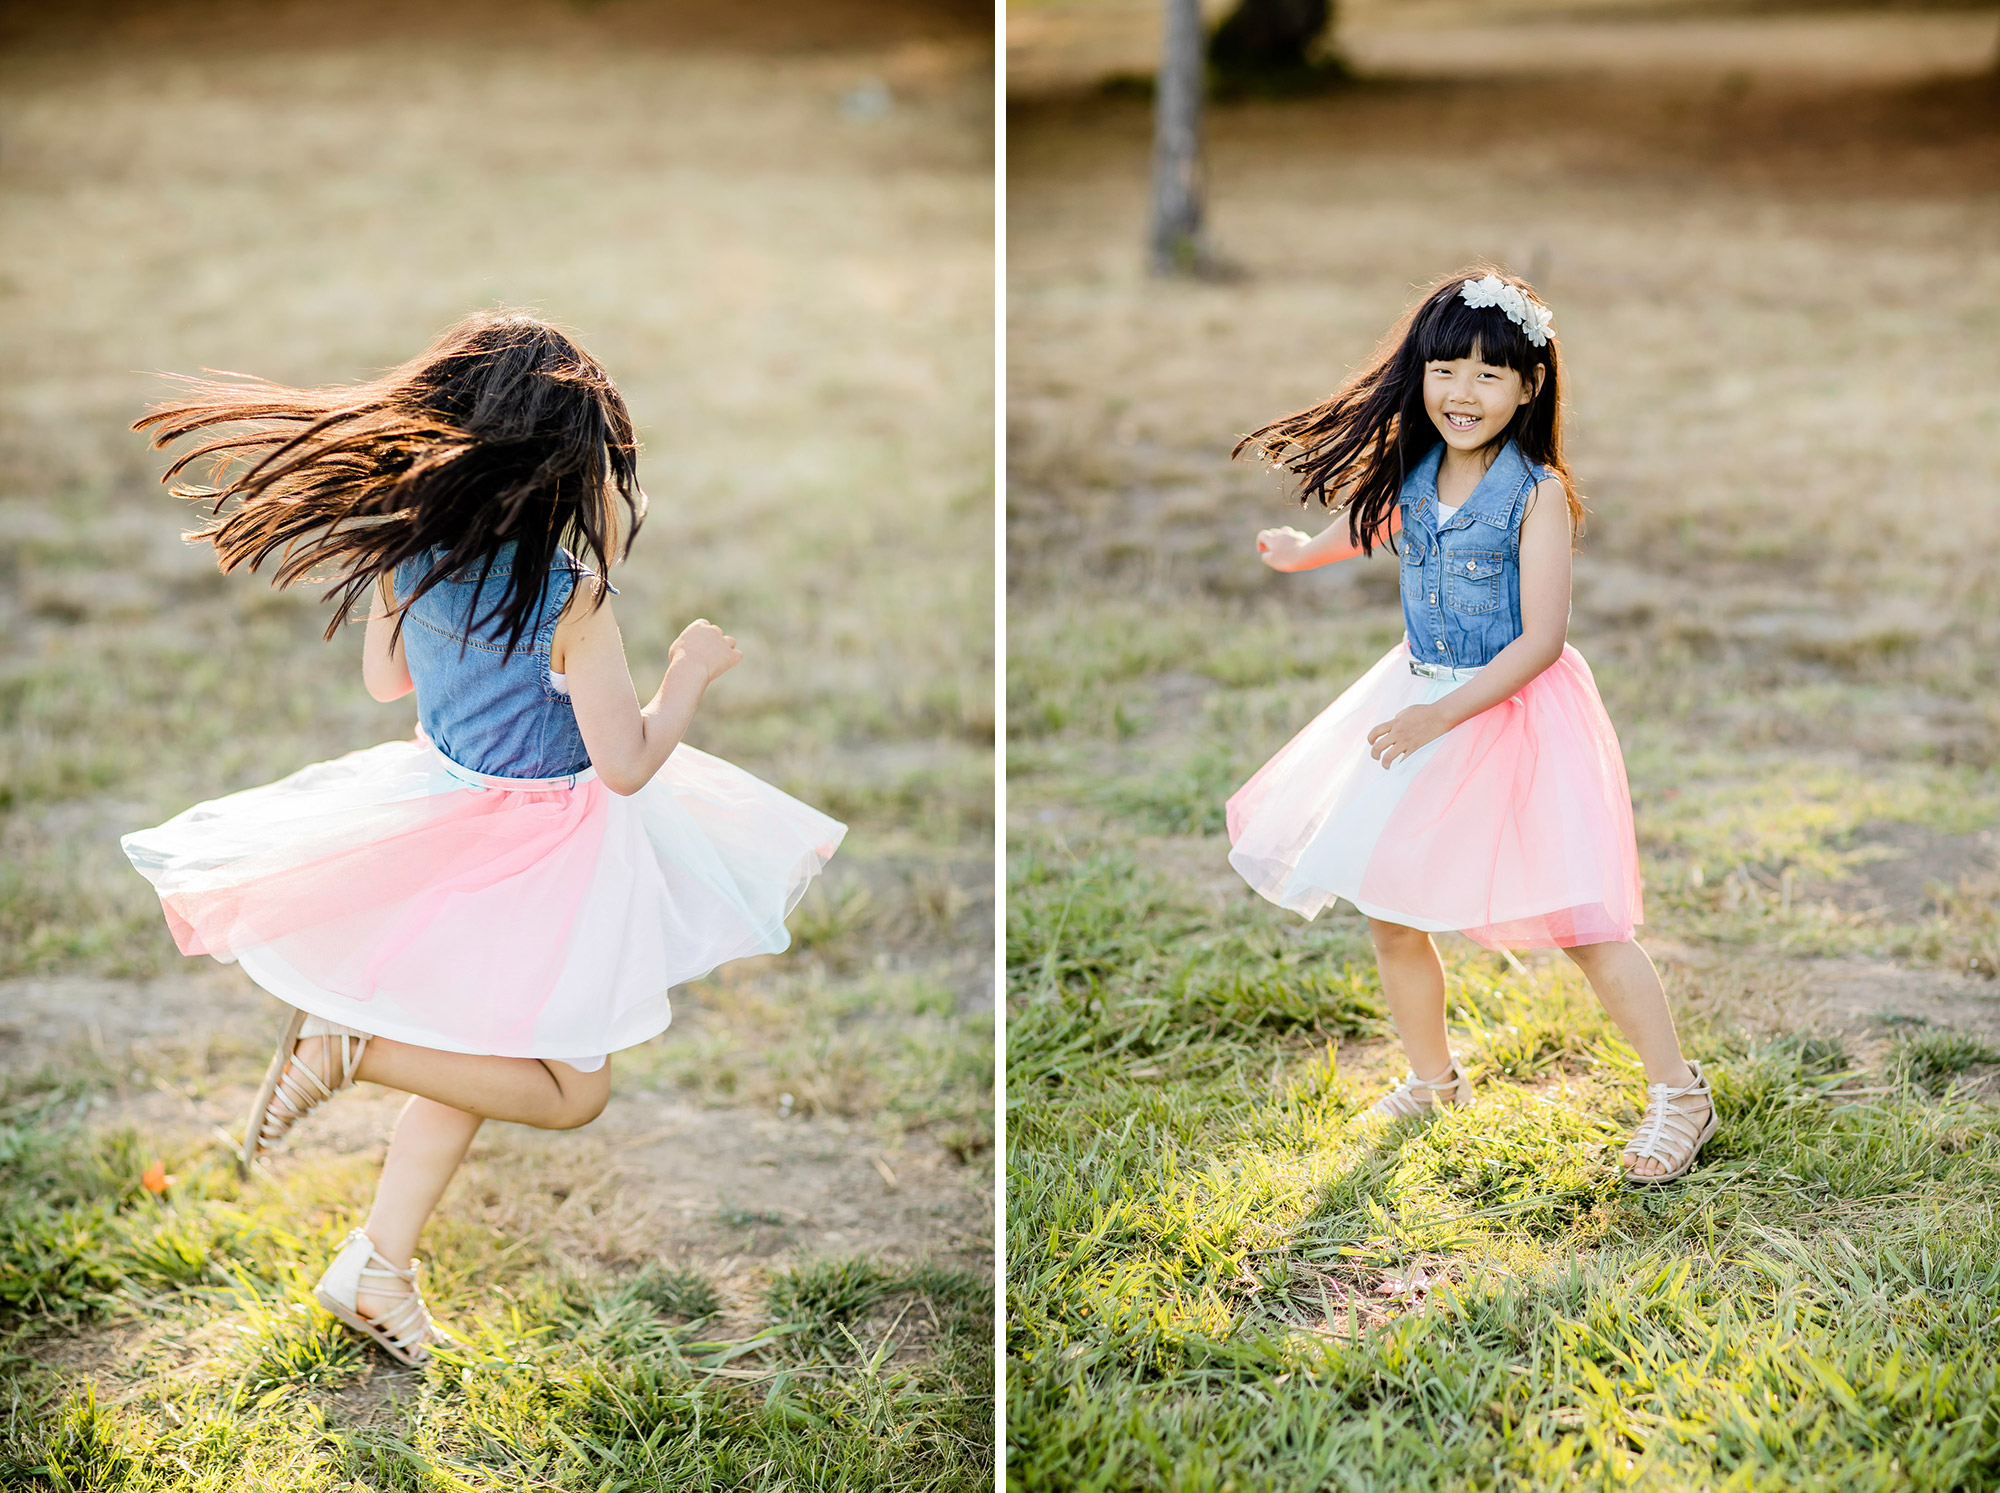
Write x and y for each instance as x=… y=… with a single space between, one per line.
x=1778 y=300
x=768 y=1264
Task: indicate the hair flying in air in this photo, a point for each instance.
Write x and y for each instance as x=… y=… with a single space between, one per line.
x=504 y=429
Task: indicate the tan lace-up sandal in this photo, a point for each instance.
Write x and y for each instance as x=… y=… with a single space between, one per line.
x=1416 y=1096
x=293 y=1088
x=1671 y=1135
x=405 y=1331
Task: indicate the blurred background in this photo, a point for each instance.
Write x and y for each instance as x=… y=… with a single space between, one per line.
x=1768 y=238
x=772 y=221
x=1770 y=235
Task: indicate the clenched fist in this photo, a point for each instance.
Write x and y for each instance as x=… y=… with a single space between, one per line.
x=706 y=646
x=1279 y=548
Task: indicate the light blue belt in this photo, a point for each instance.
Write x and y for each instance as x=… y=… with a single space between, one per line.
x=480 y=782
x=1442 y=671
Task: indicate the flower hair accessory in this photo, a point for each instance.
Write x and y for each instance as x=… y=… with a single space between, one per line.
x=1527 y=313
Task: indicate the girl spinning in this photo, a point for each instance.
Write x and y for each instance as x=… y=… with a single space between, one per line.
x=480 y=915
x=1470 y=780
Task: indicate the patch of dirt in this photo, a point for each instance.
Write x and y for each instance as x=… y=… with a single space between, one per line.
x=1865 y=997
x=1864 y=1002
x=657 y=1176
x=1910 y=866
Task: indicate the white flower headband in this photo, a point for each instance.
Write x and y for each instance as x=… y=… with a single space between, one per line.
x=1527 y=313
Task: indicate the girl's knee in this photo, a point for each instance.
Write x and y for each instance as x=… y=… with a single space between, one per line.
x=581 y=1111
x=583 y=1098
x=1585 y=955
x=1396 y=937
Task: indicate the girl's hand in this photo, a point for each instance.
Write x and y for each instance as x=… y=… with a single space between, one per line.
x=1279 y=548
x=1416 y=727
x=707 y=647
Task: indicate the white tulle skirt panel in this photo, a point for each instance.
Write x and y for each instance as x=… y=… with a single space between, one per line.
x=394 y=892
x=1514 y=827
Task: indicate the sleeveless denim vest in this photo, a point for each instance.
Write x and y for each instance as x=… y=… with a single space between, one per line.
x=485 y=710
x=1461 y=580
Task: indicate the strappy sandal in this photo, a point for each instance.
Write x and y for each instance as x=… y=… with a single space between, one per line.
x=1416 y=1096
x=1668 y=1134
x=405 y=1332
x=292 y=1089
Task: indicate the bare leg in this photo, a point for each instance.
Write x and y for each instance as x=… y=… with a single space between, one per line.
x=1413 y=986
x=545 y=1093
x=1629 y=988
x=452 y=1094
x=431 y=1140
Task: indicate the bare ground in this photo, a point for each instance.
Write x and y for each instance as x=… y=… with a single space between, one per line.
x=667 y=1177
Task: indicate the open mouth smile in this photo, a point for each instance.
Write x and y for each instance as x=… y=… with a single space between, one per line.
x=1460 y=422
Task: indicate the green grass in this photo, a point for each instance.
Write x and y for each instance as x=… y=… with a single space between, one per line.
x=1200 y=1229
x=841 y=1374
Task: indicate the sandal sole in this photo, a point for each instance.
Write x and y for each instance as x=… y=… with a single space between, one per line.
x=260 y=1106
x=382 y=1339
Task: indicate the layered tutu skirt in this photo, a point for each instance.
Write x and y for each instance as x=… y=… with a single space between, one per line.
x=1514 y=827
x=393 y=891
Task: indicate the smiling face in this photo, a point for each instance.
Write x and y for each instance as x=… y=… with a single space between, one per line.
x=1470 y=401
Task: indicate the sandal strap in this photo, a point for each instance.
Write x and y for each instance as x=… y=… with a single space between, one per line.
x=1402 y=1101
x=301 y=1089
x=1666 y=1133
x=408 y=1323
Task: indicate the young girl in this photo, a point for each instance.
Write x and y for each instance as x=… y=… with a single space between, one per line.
x=480 y=915
x=1471 y=779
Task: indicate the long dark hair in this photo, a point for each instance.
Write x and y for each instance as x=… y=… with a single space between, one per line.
x=503 y=429
x=1353 y=450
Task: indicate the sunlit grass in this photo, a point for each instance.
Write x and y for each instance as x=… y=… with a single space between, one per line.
x=567 y=1373
x=1205 y=1235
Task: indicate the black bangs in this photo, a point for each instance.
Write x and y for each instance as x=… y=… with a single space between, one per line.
x=1448 y=330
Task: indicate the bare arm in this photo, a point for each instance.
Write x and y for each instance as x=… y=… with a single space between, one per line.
x=1545 y=556
x=628 y=743
x=1290 y=550
x=384 y=673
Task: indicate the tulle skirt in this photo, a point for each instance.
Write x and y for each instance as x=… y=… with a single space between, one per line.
x=1514 y=827
x=393 y=891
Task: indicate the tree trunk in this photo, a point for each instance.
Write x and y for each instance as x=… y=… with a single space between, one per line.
x=1262 y=36
x=1178 y=248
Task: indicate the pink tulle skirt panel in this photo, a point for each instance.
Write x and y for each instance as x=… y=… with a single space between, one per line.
x=382 y=891
x=1514 y=828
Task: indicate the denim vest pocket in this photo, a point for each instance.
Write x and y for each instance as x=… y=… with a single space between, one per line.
x=1472 y=580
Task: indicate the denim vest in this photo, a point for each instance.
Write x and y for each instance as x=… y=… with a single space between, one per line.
x=486 y=710
x=1462 y=580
